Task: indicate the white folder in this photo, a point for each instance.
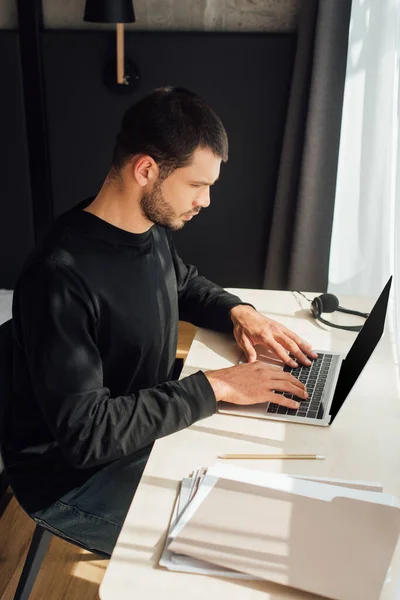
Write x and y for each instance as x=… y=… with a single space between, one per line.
x=326 y=539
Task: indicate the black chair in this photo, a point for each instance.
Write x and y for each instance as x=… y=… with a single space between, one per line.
x=41 y=536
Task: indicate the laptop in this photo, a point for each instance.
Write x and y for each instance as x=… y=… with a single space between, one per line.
x=329 y=380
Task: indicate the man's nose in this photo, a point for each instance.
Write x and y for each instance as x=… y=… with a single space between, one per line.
x=204 y=199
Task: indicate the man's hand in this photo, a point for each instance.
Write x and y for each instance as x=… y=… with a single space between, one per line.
x=251 y=328
x=252 y=383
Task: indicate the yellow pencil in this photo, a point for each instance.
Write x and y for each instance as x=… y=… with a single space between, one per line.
x=276 y=456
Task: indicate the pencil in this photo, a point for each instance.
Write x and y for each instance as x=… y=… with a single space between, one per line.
x=276 y=456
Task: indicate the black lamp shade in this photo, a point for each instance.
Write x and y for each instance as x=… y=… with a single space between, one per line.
x=109 y=11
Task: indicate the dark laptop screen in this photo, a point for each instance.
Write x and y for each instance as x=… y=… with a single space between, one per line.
x=361 y=350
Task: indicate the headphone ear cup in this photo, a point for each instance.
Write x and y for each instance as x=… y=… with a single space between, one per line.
x=316 y=307
x=329 y=303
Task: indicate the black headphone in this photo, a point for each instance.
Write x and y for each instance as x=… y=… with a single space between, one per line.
x=329 y=303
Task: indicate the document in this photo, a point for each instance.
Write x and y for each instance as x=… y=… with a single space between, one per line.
x=330 y=539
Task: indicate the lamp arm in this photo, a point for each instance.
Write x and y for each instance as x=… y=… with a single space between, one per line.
x=120 y=53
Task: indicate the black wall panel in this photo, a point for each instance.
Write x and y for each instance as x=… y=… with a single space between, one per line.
x=16 y=232
x=245 y=78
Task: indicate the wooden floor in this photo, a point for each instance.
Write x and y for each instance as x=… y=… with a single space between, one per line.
x=67 y=572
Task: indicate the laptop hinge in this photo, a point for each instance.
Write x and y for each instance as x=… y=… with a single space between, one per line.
x=339 y=395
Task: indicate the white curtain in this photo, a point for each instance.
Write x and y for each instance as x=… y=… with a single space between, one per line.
x=365 y=242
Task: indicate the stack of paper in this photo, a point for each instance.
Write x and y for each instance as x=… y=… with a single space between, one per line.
x=179 y=562
x=333 y=538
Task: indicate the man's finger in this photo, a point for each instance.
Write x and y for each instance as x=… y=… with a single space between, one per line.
x=282 y=400
x=281 y=353
x=302 y=344
x=283 y=376
x=271 y=342
x=294 y=349
x=251 y=354
x=290 y=388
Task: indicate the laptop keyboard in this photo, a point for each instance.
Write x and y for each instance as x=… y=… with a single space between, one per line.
x=314 y=378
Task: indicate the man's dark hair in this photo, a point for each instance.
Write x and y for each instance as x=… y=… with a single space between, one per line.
x=169 y=124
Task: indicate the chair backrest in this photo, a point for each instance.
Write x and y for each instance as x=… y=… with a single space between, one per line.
x=6 y=369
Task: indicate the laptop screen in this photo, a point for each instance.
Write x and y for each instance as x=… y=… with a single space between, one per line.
x=361 y=350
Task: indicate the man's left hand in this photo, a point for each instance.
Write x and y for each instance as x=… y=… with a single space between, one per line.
x=251 y=328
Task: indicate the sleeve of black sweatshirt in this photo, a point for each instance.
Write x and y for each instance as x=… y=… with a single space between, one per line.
x=56 y=319
x=202 y=302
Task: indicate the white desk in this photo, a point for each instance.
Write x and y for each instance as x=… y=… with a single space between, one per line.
x=363 y=443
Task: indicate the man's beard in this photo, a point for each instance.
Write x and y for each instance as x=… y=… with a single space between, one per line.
x=155 y=208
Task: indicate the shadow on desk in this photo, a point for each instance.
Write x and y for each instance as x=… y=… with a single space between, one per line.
x=170 y=484
x=238 y=436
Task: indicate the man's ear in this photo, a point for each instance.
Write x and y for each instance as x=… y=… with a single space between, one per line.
x=145 y=170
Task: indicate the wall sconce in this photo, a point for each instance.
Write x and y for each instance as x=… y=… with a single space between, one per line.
x=125 y=78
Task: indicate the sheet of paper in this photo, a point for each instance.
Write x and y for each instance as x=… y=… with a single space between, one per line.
x=372 y=486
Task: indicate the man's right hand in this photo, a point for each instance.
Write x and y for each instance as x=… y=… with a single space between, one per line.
x=252 y=383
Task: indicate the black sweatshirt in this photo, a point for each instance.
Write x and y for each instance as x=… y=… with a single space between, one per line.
x=95 y=315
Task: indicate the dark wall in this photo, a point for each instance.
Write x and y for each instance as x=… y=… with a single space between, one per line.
x=16 y=231
x=245 y=78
